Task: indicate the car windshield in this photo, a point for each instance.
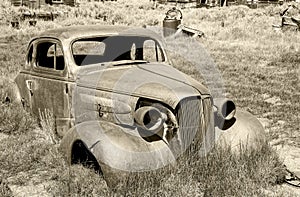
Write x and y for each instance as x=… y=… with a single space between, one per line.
x=116 y=48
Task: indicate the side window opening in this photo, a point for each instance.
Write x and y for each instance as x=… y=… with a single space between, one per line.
x=50 y=55
x=29 y=55
x=152 y=52
x=88 y=52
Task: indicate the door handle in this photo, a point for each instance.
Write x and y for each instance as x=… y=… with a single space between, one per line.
x=29 y=84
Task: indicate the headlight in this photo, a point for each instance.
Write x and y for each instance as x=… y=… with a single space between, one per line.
x=149 y=118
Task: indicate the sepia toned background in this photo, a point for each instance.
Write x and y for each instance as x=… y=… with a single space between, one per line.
x=260 y=69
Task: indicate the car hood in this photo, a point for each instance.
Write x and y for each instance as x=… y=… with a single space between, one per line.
x=154 y=81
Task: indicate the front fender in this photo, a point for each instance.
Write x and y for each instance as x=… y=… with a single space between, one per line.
x=246 y=131
x=118 y=150
x=13 y=94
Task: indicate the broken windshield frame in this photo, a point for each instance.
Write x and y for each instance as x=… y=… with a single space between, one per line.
x=88 y=51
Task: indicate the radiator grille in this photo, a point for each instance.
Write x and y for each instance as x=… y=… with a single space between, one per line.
x=194 y=118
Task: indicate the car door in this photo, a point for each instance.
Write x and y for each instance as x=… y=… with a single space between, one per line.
x=49 y=85
x=23 y=80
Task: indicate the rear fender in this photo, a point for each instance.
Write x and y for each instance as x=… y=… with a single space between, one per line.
x=13 y=94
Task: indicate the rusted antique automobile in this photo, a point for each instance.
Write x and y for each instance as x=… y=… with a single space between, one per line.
x=119 y=103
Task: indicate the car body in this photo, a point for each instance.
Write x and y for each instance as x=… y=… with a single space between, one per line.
x=118 y=102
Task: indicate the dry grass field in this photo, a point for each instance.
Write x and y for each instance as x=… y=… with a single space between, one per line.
x=261 y=73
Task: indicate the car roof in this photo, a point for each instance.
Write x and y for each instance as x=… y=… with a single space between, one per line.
x=73 y=32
